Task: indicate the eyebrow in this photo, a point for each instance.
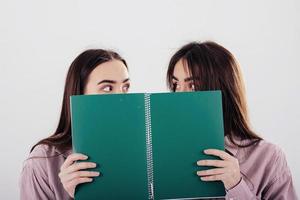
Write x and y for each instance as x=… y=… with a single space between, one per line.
x=112 y=81
x=185 y=80
x=125 y=80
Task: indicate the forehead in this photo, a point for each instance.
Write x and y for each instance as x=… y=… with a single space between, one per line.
x=112 y=70
x=181 y=70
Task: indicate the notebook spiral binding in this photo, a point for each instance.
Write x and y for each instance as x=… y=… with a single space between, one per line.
x=149 y=147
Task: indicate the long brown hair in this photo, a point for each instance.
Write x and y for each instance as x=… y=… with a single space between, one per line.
x=213 y=67
x=76 y=80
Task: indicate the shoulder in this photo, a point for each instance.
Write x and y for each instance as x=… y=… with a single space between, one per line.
x=48 y=152
x=262 y=153
x=271 y=147
x=43 y=159
x=276 y=172
x=37 y=160
x=263 y=165
x=268 y=157
x=267 y=150
x=261 y=148
x=275 y=154
x=42 y=150
x=39 y=178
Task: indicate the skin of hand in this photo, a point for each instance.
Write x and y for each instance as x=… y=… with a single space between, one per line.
x=72 y=174
x=227 y=169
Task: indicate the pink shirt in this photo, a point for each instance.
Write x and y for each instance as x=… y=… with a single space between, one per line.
x=39 y=178
x=265 y=174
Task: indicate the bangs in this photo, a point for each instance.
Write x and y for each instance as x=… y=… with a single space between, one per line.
x=203 y=71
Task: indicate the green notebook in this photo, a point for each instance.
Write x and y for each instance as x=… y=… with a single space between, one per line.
x=146 y=145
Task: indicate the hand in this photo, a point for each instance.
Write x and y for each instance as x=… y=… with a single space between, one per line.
x=71 y=175
x=227 y=171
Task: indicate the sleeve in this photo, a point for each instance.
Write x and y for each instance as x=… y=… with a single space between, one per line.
x=240 y=191
x=34 y=182
x=281 y=187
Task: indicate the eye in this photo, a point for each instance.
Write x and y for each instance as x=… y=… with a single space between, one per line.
x=192 y=86
x=107 y=88
x=126 y=87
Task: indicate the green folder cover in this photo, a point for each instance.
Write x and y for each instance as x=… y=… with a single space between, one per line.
x=147 y=145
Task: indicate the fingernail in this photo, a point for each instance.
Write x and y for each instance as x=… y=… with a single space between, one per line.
x=198 y=162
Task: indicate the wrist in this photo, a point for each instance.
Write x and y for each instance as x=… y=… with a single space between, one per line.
x=234 y=185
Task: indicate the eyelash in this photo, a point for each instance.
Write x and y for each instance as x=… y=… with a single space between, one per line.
x=127 y=86
x=174 y=86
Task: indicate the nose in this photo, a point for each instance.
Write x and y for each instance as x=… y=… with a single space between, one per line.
x=180 y=90
x=120 y=90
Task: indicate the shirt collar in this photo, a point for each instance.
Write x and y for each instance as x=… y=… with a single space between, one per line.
x=229 y=146
x=65 y=153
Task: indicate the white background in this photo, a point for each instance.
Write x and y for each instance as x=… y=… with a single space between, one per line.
x=39 y=40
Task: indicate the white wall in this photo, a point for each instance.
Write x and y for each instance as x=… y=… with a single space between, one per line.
x=39 y=39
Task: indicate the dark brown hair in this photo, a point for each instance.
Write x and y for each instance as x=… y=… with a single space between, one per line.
x=213 y=67
x=76 y=80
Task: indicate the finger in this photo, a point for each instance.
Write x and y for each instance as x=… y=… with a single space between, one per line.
x=211 y=172
x=79 y=166
x=72 y=158
x=215 y=152
x=79 y=174
x=214 y=163
x=219 y=177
